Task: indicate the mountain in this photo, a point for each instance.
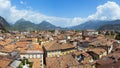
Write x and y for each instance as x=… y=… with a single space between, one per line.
x=94 y=24
x=44 y=25
x=4 y=25
x=23 y=25
x=110 y=27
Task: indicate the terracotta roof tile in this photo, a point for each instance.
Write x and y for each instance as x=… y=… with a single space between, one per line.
x=61 y=62
x=4 y=62
x=57 y=46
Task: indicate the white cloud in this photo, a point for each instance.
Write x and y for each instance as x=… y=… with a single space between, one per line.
x=22 y=2
x=5 y=6
x=107 y=11
x=12 y=14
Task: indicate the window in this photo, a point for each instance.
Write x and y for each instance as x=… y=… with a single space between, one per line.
x=40 y=64
x=40 y=60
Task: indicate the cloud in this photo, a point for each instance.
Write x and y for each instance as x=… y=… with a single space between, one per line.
x=5 y=6
x=108 y=11
x=12 y=14
x=22 y=2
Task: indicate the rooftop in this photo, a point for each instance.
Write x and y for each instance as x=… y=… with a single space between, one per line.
x=4 y=62
x=36 y=63
x=23 y=47
x=61 y=62
x=53 y=45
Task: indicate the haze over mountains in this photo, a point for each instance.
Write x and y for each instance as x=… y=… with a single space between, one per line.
x=24 y=25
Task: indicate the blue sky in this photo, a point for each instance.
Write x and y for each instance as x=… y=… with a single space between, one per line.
x=62 y=13
x=61 y=8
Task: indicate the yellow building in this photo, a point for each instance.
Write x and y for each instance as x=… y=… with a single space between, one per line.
x=54 y=48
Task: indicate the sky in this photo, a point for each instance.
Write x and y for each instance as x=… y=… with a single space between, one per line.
x=62 y=13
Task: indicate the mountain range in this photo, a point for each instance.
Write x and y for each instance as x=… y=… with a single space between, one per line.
x=95 y=24
x=24 y=25
x=110 y=27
